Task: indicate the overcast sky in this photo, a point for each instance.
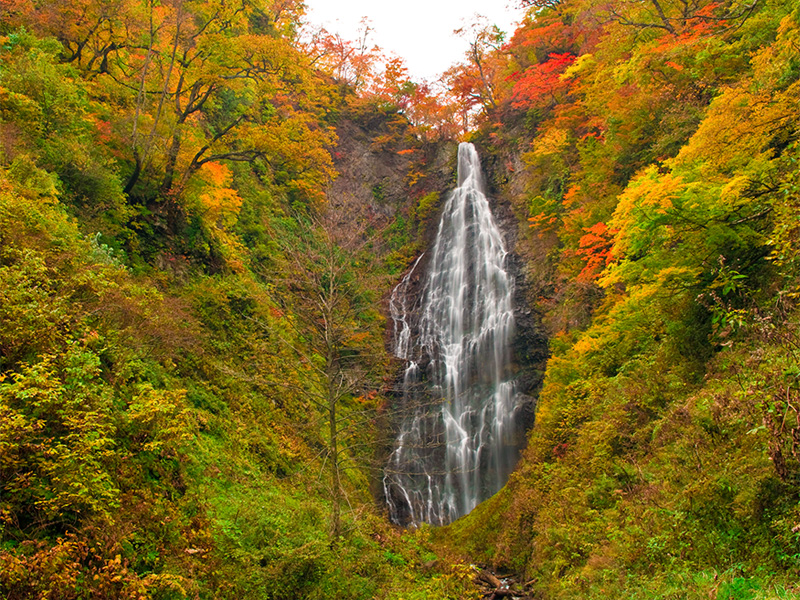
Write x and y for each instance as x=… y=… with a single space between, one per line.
x=420 y=31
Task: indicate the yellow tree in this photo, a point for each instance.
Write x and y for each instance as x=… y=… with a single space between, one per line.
x=194 y=82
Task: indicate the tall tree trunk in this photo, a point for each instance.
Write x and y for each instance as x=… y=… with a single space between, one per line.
x=667 y=25
x=336 y=484
x=137 y=170
x=172 y=160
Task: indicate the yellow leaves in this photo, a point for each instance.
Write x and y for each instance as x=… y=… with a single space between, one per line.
x=731 y=191
x=695 y=202
x=31 y=181
x=587 y=344
x=159 y=419
x=771 y=62
x=552 y=141
x=659 y=195
x=582 y=64
x=56 y=437
x=743 y=122
x=219 y=203
x=62 y=568
x=647 y=196
x=730 y=135
x=222 y=206
x=297 y=148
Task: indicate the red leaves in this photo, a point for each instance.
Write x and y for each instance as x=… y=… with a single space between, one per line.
x=542 y=83
x=541 y=36
x=103 y=129
x=560 y=451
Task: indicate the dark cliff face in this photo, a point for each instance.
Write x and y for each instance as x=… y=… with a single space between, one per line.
x=383 y=175
x=383 y=171
x=530 y=343
x=363 y=167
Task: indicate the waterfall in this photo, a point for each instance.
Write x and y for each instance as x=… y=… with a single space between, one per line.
x=457 y=441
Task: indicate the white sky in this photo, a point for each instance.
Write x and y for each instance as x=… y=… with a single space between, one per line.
x=419 y=31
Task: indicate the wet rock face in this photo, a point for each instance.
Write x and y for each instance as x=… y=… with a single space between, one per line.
x=374 y=187
x=530 y=344
x=485 y=411
x=371 y=178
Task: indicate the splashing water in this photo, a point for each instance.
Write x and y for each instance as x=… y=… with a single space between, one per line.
x=457 y=442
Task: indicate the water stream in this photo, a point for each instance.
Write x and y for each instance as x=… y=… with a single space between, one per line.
x=457 y=439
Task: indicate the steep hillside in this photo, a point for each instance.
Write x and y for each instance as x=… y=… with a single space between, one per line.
x=183 y=283
x=653 y=152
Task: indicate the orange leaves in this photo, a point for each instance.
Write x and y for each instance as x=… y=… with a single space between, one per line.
x=15 y=12
x=217 y=174
x=103 y=129
x=551 y=35
x=595 y=248
x=546 y=214
x=543 y=221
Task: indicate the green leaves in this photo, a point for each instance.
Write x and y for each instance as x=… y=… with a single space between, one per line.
x=58 y=440
x=157 y=421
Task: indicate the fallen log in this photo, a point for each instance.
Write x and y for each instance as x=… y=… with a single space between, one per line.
x=486 y=577
x=503 y=593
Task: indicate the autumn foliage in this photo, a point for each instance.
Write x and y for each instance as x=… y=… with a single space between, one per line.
x=541 y=84
x=171 y=236
x=159 y=165
x=651 y=148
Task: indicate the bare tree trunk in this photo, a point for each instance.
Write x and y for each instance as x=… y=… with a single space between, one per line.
x=137 y=170
x=164 y=93
x=141 y=97
x=487 y=86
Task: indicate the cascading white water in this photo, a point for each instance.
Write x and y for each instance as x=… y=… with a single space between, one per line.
x=457 y=443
